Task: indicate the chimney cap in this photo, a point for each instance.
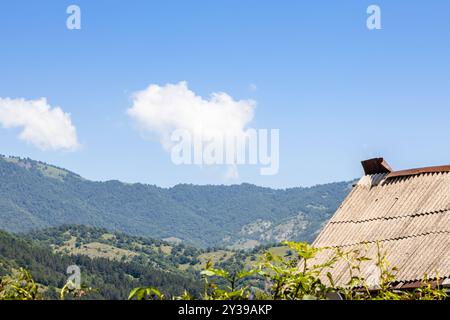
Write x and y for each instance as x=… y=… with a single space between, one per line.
x=376 y=165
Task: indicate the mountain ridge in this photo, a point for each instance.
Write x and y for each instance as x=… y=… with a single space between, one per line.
x=36 y=195
x=14 y=159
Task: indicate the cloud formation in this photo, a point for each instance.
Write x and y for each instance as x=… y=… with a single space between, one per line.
x=163 y=109
x=44 y=127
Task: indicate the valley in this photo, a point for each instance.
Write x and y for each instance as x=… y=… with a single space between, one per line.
x=123 y=235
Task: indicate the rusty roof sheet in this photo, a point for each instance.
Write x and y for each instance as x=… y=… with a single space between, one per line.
x=411 y=172
x=409 y=215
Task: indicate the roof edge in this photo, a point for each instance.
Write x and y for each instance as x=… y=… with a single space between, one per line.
x=418 y=171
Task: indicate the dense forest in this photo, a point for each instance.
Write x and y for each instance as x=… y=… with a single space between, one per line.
x=272 y=277
x=100 y=243
x=35 y=195
x=111 y=279
x=114 y=263
x=124 y=236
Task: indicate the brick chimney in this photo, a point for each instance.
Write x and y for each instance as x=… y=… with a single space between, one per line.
x=376 y=165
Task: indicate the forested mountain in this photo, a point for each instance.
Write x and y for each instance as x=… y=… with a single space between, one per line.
x=76 y=240
x=110 y=278
x=35 y=195
x=101 y=243
x=114 y=263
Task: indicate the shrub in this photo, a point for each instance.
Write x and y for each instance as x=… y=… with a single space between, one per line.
x=296 y=277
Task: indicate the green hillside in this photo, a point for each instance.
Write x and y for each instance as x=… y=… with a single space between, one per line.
x=74 y=240
x=112 y=279
x=35 y=195
x=100 y=243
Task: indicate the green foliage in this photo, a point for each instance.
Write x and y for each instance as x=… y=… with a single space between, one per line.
x=234 y=284
x=429 y=292
x=141 y=250
x=19 y=286
x=112 y=279
x=34 y=195
x=76 y=292
x=149 y=293
x=292 y=277
x=296 y=277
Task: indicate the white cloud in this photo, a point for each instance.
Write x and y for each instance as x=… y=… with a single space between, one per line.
x=43 y=126
x=163 y=109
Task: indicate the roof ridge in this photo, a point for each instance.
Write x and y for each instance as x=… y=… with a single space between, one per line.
x=418 y=171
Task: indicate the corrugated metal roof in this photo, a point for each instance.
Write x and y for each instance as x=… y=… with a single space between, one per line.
x=414 y=257
x=408 y=215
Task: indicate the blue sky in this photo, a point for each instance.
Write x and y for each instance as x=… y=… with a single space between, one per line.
x=338 y=92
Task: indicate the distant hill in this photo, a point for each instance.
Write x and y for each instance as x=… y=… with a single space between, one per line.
x=95 y=243
x=111 y=278
x=114 y=263
x=75 y=240
x=35 y=195
x=72 y=240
